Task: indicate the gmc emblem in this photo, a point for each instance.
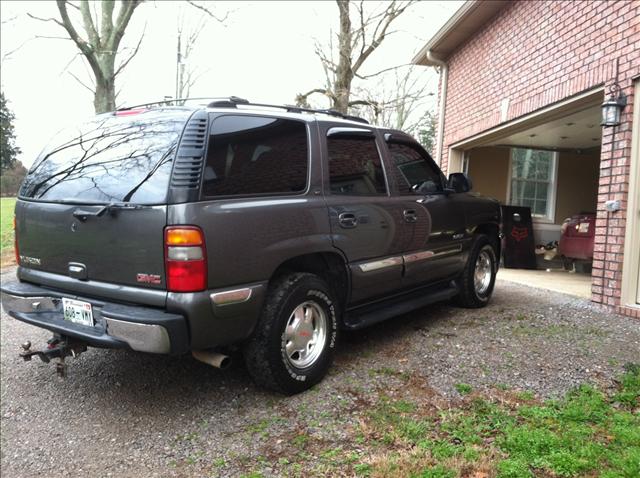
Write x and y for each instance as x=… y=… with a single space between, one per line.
x=149 y=278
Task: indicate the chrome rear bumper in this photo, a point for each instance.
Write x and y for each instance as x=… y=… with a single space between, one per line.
x=142 y=329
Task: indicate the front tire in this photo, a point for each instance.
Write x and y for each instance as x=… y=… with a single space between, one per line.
x=479 y=276
x=293 y=343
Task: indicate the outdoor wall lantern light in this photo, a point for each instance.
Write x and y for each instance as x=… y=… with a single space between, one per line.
x=613 y=106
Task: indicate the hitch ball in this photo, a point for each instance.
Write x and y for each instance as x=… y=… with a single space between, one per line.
x=26 y=346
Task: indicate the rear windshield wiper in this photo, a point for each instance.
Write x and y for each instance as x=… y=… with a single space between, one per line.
x=83 y=214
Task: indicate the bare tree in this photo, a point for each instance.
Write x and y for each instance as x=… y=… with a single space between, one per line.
x=188 y=35
x=355 y=46
x=401 y=106
x=99 y=42
x=186 y=73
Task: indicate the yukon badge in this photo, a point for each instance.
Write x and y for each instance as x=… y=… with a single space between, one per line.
x=149 y=278
x=33 y=261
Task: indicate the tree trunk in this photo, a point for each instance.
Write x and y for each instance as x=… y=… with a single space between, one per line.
x=101 y=45
x=105 y=96
x=344 y=74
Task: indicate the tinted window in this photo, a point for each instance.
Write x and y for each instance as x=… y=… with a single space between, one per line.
x=109 y=159
x=355 y=168
x=413 y=171
x=256 y=155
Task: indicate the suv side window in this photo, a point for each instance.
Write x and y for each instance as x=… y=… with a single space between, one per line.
x=413 y=171
x=256 y=155
x=355 y=167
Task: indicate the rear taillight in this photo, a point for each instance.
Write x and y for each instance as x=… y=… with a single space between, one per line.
x=185 y=259
x=15 y=241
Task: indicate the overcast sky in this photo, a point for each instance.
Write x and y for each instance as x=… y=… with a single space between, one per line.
x=263 y=52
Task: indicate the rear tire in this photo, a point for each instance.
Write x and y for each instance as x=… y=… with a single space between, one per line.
x=294 y=340
x=479 y=275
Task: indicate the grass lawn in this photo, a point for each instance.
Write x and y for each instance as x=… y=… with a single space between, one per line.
x=6 y=230
x=498 y=433
x=587 y=433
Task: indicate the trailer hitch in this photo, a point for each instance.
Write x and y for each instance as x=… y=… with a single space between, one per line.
x=57 y=347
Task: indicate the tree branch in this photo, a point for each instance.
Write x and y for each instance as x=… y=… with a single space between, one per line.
x=366 y=77
x=135 y=52
x=89 y=26
x=85 y=48
x=51 y=38
x=8 y=20
x=391 y=13
x=72 y=5
x=363 y=103
x=124 y=15
x=78 y=80
x=40 y=19
x=209 y=12
x=301 y=99
x=7 y=55
x=106 y=28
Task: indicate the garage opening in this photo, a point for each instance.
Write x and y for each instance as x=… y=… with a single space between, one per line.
x=552 y=169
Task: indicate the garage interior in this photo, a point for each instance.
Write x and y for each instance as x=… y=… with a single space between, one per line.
x=563 y=183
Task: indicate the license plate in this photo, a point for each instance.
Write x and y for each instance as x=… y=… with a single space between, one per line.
x=77 y=312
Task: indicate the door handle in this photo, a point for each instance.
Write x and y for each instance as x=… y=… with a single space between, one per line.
x=348 y=220
x=83 y=214
x=410 y=215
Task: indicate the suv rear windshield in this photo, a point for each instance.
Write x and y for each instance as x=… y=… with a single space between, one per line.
x=109 y=159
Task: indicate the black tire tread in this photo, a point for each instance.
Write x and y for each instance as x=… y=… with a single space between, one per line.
x=467 y=297
x=256 y=350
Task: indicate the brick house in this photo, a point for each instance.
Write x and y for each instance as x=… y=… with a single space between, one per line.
x=522 y=86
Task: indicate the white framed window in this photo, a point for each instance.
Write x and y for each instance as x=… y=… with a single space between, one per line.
x=533 y=182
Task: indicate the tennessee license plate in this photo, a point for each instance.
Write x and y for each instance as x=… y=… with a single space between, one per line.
x=77 y=311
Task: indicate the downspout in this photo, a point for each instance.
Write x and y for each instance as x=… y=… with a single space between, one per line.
x=444 y=74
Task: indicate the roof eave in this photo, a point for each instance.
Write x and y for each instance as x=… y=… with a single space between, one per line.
x=469 y=18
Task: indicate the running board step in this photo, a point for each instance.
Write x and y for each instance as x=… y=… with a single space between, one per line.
x=372 y=314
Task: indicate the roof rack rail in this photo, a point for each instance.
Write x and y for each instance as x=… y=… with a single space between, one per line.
x=168 y=101
x=234 y=101
x=229 y=102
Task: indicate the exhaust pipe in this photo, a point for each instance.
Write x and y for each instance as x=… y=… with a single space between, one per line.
x=214 y=359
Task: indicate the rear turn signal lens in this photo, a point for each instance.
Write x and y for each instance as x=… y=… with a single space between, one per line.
x=185 y=259
x=183 y=236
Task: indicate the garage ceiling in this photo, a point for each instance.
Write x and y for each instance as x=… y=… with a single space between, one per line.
x=579 y=130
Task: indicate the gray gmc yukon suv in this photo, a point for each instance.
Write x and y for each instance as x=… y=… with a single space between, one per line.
x=177 y=229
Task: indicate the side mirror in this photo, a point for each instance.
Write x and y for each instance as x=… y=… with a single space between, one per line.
x=459 y=182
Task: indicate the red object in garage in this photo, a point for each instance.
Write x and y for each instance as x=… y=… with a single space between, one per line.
x=578 y=232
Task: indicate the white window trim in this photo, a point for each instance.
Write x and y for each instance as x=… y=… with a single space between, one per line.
x=553 y=186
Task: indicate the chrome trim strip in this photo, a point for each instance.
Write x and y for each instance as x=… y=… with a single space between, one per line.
x=424 y=255
x=141 y=337
x=16 y=303
x=418 y=256
x=237 y=296
x=381 y=264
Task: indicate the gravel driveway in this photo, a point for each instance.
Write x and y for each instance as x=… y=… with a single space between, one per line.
x=126 y=414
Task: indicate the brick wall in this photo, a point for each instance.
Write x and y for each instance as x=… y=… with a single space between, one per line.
x=537 y=53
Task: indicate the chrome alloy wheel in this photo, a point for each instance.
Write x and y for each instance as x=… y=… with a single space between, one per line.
x=483 y=273
x=305 y=334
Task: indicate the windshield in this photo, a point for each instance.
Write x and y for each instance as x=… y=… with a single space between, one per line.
x=109 y=159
